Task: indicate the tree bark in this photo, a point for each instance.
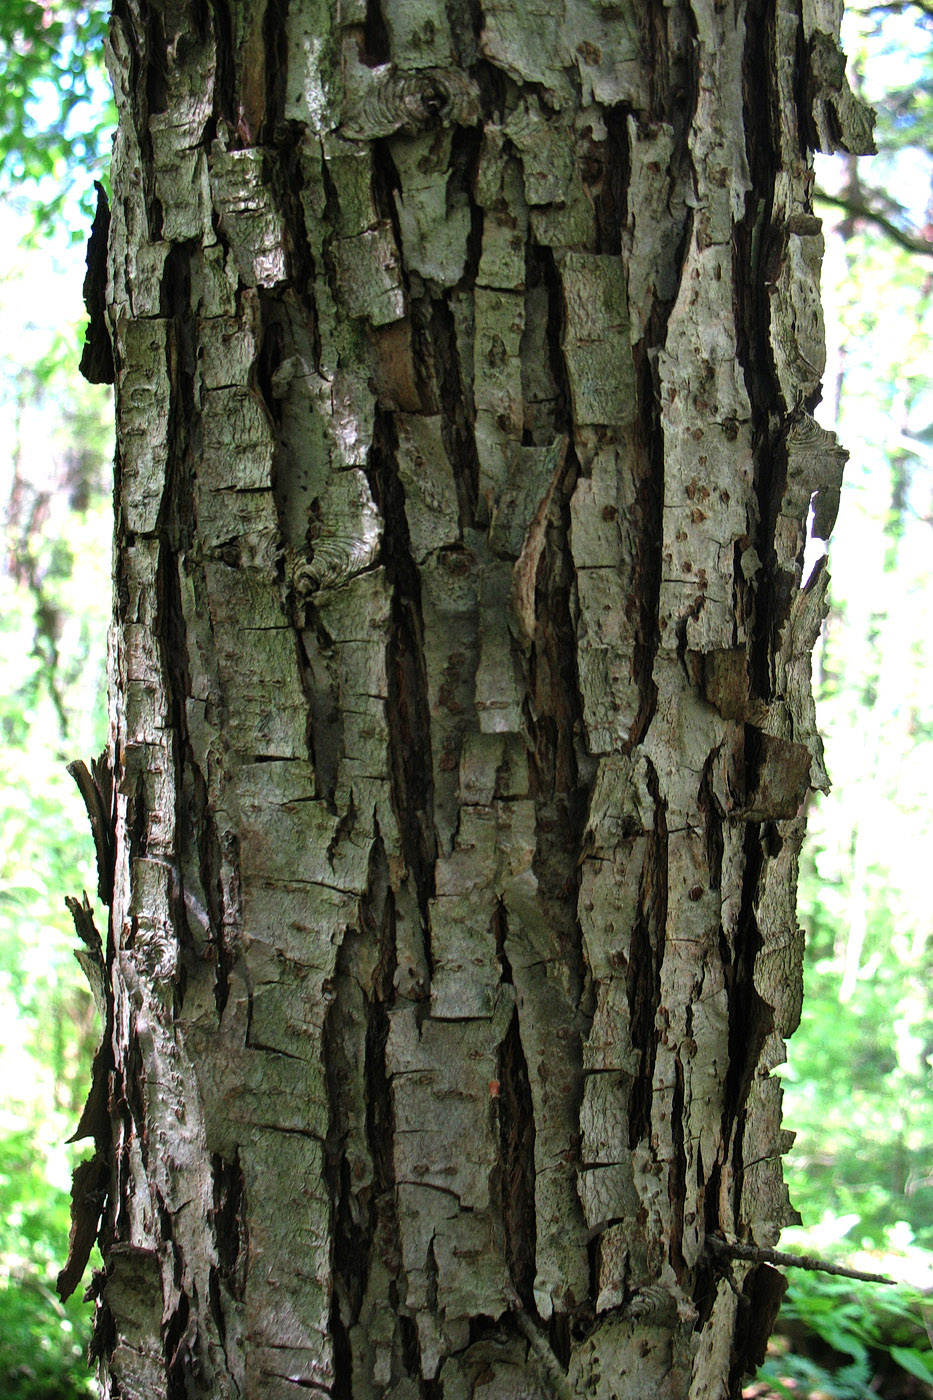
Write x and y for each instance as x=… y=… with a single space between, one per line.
x=461 y=709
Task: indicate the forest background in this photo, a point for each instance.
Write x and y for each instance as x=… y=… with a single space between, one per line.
x=860 y=1072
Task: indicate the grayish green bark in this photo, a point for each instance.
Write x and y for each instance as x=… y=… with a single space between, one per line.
x=461 y=705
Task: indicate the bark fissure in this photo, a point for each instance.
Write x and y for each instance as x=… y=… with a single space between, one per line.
x=517 y=1134
x=456 y=420
x=751 y=1019
x=753 y=235
x=410 y=754
x=359 y=1146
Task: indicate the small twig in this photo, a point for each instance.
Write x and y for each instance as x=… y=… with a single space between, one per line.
x=553 y=1375
x=756 y=1255
x=864 y=211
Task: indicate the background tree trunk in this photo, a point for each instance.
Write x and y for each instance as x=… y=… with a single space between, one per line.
x=461 y=707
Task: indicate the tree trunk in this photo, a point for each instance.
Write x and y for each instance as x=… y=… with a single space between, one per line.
x=460 y=690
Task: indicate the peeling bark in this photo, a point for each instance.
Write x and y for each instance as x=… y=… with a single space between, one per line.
x=460 y=685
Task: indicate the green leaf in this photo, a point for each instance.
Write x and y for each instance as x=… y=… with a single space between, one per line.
x=915 y=1362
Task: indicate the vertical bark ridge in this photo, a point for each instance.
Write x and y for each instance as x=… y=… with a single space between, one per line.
x=465 y=361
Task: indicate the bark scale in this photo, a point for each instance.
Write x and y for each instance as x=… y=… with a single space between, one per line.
x=460 y=685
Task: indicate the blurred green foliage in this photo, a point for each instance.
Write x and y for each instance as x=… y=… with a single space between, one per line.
x=56 y=110
x=54 y=607
x=850 y=1341
x=890 y=50
x=42 y=1342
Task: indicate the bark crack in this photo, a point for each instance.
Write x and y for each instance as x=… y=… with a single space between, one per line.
x=410 y=757
x=644 y=972
x=517 y=1162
